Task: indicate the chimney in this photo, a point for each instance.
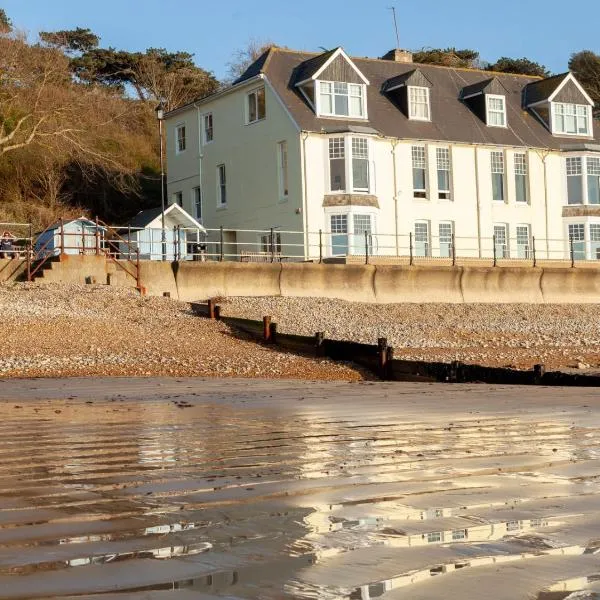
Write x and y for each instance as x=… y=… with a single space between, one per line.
x=397 y=55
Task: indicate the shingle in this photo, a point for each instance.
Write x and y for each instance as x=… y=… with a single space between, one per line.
x=542 y=90
x=309 y=67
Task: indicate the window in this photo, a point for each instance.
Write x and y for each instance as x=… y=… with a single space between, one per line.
x=422 y=245
x=208 y=128
x=595 y=241
x=339 y=235
x=501 y=240
x=221 y=186
x=513 y=526
x=360 y=164
x=443 y=172
x=418 y=103
x=575 y=180
x=434 y=536
x=337 y=164
x=197 y=200
x=577 y=240
x=523 y=241
x=459 y=534
x=496 y=111
x=571 y=119
x=497 y=165
x=362 y=229
x=521 y=178
x=256 y=105
x=178 y=198
x=419 y=165
x=593 y=180
x=446 y=229
x=180 y=139
x=341 y=99
x=355 y=170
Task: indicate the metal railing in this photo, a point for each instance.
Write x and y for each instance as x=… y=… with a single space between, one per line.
x=128 y=245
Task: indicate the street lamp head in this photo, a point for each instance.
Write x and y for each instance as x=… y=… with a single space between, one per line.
x=160 y=111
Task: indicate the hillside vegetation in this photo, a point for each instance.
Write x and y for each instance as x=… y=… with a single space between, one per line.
x=78 y=129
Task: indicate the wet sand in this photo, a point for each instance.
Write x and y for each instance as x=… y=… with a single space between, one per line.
x=197 y=488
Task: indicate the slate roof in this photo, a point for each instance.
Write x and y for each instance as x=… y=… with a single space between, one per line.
x=540 y=90
x=145 y=217
x=452 y=119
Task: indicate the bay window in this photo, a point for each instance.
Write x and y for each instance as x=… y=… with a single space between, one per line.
x=577 y=240
x=352 y=232
x=339 y=235
x=571 y=119
x=339 y=99
x=349 y=164
x=583 y=179
x=593 y=179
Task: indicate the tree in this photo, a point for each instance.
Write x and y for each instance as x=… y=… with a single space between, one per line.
x=244 y=57
x=448 y=57
x=5 y=22
x=585 y=65
x=71 y=41
x=521 y=66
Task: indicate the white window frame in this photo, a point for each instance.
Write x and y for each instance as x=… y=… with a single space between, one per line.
x=283 y=170
x=255 y=93
x=221 y=184
x=521 y=168
x=528 y=245
x=444 y=240
x=179 y=127
x=319 y=105
x=442 y=160
x=350 y=212
x=585 y=160
x=494 y=166
x=427 y=242
x=195 y=203
x=489 y=111
x=413 y=90
x=554 y=106
x=415 y=164
x=206 y=129
x=506 y=252
x=348 y=165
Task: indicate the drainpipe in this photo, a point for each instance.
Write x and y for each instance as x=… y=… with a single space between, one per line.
x=477 y=196
x=200 y=156
x=546 y=203
x=394 y=144
x=305 y=198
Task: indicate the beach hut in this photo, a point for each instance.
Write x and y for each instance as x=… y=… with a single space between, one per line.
x=74 y=236
x=182 y=235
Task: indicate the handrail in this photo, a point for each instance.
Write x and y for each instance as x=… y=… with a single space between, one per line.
x=111 y=243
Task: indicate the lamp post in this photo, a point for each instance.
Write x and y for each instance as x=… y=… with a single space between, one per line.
x=160 y=115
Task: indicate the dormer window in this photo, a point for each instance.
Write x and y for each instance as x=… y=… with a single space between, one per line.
x=571 y=119
x=496 y=111
x=418 y=103
x=339 y=99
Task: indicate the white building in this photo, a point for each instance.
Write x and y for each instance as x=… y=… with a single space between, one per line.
x=392 y=154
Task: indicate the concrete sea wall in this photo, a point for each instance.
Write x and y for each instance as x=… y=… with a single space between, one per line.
x=197 y=281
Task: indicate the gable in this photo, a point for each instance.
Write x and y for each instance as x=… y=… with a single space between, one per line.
x=570 y=94
x=413 y=78
x=488 y=86
x=339 y=69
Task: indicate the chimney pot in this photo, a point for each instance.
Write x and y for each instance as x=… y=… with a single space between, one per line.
x=397 y=55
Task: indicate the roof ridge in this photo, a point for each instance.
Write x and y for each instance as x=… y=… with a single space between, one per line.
x=380 y=60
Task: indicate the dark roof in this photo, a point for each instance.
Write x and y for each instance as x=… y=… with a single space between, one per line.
x=541 y=90
x=255 y=68
x=452 y=119
x=487 y=86
x=145 y=217
x=414 y=77
x=309 y=67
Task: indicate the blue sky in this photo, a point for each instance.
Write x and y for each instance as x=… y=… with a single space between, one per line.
x=547 y=32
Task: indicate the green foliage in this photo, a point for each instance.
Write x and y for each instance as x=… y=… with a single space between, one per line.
x=520 y=66
x=448 y=57
x=585 y=65
x=71 y=41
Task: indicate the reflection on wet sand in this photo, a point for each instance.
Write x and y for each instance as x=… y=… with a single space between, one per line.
x=307 y=493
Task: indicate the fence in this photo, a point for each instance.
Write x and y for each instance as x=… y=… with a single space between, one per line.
x=379 y=358
x=277 y=245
